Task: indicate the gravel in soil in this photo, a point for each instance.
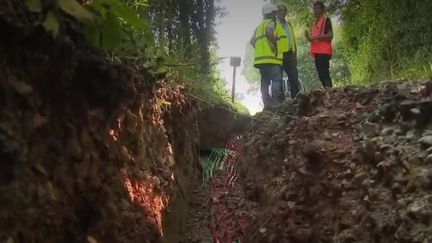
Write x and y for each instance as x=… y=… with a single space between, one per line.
x=344 y=165
x=198 y=223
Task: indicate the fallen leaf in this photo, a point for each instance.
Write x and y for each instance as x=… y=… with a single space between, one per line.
x=51 y=24
x=21 y=87
x=34 y=5
x=76 y=10
x=90 y=239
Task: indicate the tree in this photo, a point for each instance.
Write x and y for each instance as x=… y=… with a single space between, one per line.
x=387 y=39
x=183 y=26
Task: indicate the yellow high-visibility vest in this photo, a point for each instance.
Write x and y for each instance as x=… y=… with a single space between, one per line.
x=263 y=51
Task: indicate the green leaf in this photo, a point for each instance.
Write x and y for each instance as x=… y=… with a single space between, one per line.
x=123 y=11
x=51 y=24
x=92 y=35
x=111 y=31
x=158 y=69
x=34 y=5
x=75 y=9
x=162 y=69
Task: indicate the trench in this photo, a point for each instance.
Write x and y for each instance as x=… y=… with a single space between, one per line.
x=355 y=167
x=197 y=213
x=89 y=153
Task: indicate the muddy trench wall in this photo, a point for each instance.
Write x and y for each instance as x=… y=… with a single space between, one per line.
x=342 y=165
x=86 y=150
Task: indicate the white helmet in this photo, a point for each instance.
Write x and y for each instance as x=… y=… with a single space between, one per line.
x=268 y=8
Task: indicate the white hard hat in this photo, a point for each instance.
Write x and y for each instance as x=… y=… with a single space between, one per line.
x=268 y=8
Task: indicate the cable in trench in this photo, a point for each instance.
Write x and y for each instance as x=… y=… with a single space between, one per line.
x=221 y=175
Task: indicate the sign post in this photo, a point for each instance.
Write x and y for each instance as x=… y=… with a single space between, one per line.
x=234 y=62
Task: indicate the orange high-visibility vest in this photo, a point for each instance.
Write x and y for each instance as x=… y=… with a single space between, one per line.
x=320 y=46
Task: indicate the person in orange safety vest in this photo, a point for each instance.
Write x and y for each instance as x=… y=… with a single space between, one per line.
x=321 y=49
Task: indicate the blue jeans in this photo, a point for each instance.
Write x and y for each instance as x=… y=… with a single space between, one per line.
x=271 y=74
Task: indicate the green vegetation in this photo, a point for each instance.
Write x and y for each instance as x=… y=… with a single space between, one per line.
x=179 y=42
x=373 y=41
x=387 y=39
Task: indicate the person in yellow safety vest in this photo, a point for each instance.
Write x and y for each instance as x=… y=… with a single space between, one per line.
x=269 y=48
x=289 y=63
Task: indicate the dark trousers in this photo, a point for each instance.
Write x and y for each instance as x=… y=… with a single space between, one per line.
x=322 y=64
x=271 y=77
x=290 y=67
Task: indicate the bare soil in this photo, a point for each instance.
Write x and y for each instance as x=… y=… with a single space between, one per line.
x=353 y=166
x=88 y=150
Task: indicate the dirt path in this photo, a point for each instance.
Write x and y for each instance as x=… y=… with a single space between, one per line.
x=197 y=229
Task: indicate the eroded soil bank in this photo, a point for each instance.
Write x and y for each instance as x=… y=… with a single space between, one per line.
x=89 y=150
x=347 y=165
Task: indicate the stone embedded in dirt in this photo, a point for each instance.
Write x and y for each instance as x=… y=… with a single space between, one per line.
x=423 y=178
x=405 y=108
x=425 y=103
x=426 y=141
x=417 y=115
x=426 y=90
x=421 y=207
x=396 y=188
x=377 y=140
x=406 y=125
x=427 y=133
x=410 y=135
x=399 y=131
x=346 y=236
x=387 y=131
x=425 y=106
x=370 y=128
x=428 y=159
x=156 y=181
x=386 y=148
x=403 y=90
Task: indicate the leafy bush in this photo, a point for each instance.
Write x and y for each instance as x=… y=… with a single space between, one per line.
x=179 y=43
x=387 y=39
